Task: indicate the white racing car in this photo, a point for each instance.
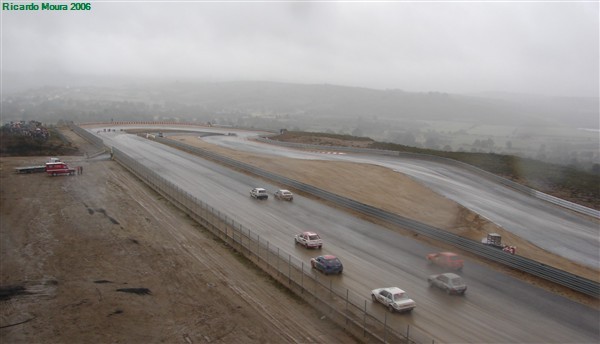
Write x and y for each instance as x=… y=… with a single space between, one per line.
x=395 y=299
x=309 y=240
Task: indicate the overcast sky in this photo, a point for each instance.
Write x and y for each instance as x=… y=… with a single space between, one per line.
x=457 y=47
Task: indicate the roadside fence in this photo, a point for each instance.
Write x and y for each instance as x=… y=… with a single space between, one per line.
x=93 y=139
x=345 y=307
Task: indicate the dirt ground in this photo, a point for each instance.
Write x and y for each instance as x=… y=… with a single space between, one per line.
x=101 y=258
x=397 y=193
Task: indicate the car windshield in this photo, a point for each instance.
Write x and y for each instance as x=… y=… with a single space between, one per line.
x=400 y=297
x=313 y=237
x=456 y=281
x=332 y=262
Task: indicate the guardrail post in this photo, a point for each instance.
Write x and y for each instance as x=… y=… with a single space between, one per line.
x=385 y=327
x=347 y=290
x=233 y=230
x=365 y=320
x=302 y=278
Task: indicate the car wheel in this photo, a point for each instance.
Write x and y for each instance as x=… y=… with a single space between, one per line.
x=391 y=309
x=373 y=297
x=448 y=291
x=430 y=284
x=320 y=246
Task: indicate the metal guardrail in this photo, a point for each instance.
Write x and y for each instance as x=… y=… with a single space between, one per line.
x=555 y=275
x=345 y=307
x=93 y=139
x=532 y=267
x=534 y=193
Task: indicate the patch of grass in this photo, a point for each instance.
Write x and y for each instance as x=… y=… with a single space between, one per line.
x=294 y=134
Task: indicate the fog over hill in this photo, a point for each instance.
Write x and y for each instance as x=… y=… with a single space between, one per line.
x=201 y=100
x=546 y=128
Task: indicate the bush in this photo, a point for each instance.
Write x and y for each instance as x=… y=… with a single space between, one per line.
x=16 y=144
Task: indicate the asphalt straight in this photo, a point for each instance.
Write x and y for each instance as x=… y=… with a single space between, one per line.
x=549 y=226
x=495 y=308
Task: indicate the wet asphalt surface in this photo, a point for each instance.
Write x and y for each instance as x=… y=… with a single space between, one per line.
x=496 y=308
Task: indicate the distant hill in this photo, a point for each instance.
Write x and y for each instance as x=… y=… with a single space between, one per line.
x=543 y=128
x=189 y=100
x=350 y=102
